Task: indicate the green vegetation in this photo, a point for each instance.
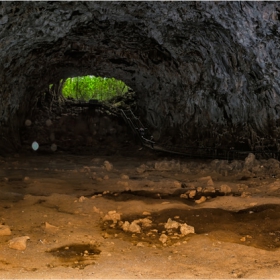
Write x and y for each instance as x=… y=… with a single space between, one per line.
x=91 y=87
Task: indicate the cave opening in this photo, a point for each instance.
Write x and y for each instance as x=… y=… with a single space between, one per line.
x=80 y=115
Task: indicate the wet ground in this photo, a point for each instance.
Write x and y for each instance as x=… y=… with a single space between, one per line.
x=74 y=208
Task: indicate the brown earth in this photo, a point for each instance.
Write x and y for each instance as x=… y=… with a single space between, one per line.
x=66 y=205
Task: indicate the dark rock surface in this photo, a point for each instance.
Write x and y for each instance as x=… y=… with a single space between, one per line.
x=205 y=73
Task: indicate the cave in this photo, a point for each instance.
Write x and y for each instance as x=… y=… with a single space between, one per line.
x=179 y=178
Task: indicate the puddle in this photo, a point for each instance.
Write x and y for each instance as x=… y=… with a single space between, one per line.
x=75 y=255
x=258 y=226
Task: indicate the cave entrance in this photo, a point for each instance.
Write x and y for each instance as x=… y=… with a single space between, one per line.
x=91 y=87
x=81 y=115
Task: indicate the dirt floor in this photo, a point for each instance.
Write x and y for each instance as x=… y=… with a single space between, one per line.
x=137 y=216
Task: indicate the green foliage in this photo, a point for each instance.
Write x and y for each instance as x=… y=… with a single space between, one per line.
x=91 y=87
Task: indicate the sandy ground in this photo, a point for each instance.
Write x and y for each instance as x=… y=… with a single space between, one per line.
x=73 y=210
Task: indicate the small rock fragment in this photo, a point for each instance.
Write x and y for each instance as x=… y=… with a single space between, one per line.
x=5 y=230
x=121 y=183
x=112 y=216
x=225 y=189
x=124 y=177
x=108 y=165
x=163 y=238
x=192 y=193
x=18 y=243
x=141 y=169
x=50 y=227
x=171 y=224
x=186 y=229
x=28 y=122
x=82 y=199
x=134 y=227
x=53 y=147
x=199 y=189
x=125 y=226
x=201 y=200
x=48 y=122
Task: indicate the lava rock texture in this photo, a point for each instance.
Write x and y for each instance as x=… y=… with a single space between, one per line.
x=205 y=73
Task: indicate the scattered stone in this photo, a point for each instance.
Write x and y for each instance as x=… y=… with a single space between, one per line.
x=124 y=177
x=82 y=199
x=106 y=177
x=184 y=195
x=28 y=122
x=204 y=179
x=167 y=165
x=177 y=184
x=145 y=213
x=108 y=165
x=112 y=216
x=249 y=161
x=201 y=200
x=140 y=244
x=199 y=189
x=18 y=243
x=141 y=169
x=5 y=230
x=53 y=147
x=163 y=238
x=225 y=189
x=245 y=194
x=48 y=122
x=125 y=226
x=186 y=229
x=50 y=227
x=133 y=227
x=96 y=210
x=123 y=184
x=144 y=222
x=26 y=178
x=171 y=224
x=242 y=187
x=192 y=193
x=243 y=239
x=209 y=190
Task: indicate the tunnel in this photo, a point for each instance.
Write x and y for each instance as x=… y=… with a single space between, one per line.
x=210 y=80
x=95 y=196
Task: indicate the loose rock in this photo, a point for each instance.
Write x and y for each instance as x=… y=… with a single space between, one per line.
x=171 y=224
x=201 y=200
x=18 y=243
x=225 y=189
x=108 y=165
x=192 y=193
x=28 y=122
x=163 y=238
x=186 y=229
x=5 y=230
x=112 y=216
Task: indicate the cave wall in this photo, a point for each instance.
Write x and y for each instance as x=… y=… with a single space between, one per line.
x=205 y=73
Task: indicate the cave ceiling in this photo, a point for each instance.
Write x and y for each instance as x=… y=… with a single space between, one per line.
x=204 y=72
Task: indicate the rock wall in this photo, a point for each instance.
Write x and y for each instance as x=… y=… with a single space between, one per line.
x=205 y=73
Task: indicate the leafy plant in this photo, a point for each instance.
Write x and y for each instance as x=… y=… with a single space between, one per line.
x=91 y=87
